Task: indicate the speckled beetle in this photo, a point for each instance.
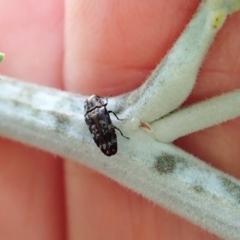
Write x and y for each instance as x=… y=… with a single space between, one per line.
x=100 y=125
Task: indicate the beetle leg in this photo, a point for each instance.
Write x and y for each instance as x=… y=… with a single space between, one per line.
x=115 y=115
x=121 y=132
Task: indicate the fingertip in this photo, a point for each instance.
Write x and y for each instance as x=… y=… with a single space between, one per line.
x=111 y=47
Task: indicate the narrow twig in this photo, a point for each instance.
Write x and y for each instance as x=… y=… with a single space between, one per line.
x=173 y=79
x=197 y=117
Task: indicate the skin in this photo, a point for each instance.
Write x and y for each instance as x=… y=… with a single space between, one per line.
x=102 y=47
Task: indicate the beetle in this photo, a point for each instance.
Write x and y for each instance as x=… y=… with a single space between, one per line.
x=97 y=117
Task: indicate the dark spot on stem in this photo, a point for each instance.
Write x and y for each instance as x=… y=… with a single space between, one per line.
x=167 y=163
x=62 y=121
x=198 y=189
x=232 y=188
